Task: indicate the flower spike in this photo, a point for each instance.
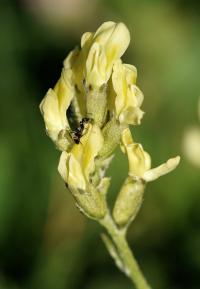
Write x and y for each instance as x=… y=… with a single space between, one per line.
x=87 y=115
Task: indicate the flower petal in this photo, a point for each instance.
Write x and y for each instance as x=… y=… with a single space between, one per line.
x=96 y=66
x=63 y=166
x=126 y=138
x=82 y=159
x=128 y=96
x=55 y=104
x=76 y=177
x=65 y=93
x=139 y=160
x=50 y=109
x=104 y=31
x=161 y=170
x=131 y=116
x=71 y=171
x=93 y=144
x=109 y=43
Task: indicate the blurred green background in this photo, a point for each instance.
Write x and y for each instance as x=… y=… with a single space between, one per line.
x=45 y=243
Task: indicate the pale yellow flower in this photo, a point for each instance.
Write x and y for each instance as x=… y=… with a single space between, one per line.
x=55 y=104
x=127 y=96
x=140 y=161
x=77 y=165
x=94 y=61
x=108 y=44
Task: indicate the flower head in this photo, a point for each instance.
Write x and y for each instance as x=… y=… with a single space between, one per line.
x=95 y=85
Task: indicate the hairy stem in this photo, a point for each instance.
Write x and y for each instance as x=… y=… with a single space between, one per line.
x=130 y=265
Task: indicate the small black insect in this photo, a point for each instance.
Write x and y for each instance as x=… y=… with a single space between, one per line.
x=78 y=132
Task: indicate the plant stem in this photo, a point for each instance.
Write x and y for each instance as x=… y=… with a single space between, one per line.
x=130 y=264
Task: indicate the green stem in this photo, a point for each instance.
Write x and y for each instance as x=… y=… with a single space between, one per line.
x=131 y=267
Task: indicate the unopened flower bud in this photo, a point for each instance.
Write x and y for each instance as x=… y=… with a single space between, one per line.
x=128 y=202
x=91 y=202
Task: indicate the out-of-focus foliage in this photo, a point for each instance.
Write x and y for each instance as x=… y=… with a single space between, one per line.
x=45 y=243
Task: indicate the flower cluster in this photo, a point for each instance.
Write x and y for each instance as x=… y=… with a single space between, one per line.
x=88 y=113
